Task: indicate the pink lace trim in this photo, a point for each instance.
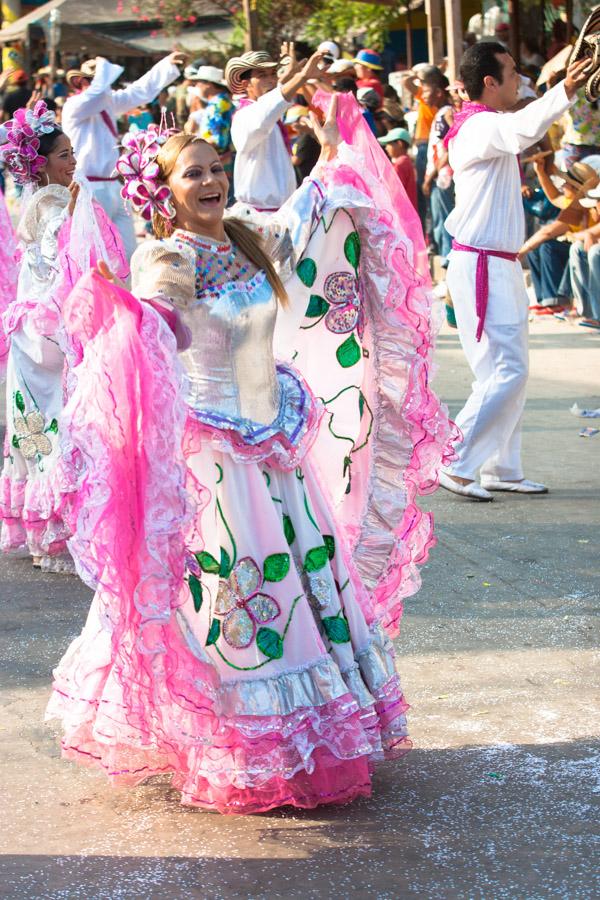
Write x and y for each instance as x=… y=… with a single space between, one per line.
x=412 y=436
x=32 y=510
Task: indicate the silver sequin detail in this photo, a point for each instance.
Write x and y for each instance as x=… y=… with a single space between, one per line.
x=246 y=578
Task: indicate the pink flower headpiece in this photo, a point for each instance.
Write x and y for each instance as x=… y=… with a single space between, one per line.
x=141 y=174
x=20 y=139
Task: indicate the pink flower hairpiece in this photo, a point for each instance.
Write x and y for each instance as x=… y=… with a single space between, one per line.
x=21 y=142
x=140 y=172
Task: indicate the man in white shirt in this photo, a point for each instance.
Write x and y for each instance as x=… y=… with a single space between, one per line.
x=263 y=174
x=485 y=277
x=89 y=119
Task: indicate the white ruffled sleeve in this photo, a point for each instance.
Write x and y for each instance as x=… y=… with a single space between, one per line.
x=162 y=271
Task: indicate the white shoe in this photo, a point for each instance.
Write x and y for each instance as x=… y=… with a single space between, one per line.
x=548 y=301
x=472 y=490
x=518 y=487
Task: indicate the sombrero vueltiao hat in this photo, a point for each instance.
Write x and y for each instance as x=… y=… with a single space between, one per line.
x=238 y=66
x=368 y=58
x=580 y=176
x=87 y=70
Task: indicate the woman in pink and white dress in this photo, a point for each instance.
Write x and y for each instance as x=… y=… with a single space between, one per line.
x=9 y=271
x=61 y=234
x=248 y=514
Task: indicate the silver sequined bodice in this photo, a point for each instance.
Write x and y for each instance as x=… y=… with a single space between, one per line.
x=230 y=364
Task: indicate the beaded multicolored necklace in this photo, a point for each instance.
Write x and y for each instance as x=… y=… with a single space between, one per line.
x=216 y=263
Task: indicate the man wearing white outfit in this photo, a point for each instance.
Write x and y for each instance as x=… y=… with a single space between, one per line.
x=89 y=119
x=263 y=174
x=485 y=277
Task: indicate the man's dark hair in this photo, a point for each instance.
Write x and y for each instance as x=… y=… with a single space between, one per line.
x=346 y=86
x=478 y=61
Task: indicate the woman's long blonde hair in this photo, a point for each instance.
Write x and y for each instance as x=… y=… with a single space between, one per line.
x=239 y=234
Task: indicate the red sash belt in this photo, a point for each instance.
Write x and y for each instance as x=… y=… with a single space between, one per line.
x=481 y=279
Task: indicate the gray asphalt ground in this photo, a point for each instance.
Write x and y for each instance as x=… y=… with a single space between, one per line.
x=499 y=798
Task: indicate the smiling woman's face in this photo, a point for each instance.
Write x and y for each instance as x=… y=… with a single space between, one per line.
x=60 y=165
x=199 y=187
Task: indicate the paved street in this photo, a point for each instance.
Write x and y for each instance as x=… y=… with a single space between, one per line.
x=499 y=798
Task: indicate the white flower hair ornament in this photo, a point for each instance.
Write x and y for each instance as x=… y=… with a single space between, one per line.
x=140 y=172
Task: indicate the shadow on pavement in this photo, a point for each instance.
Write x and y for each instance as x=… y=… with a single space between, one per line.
x=503 y=822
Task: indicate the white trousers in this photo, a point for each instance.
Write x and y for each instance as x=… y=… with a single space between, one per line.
x=108 y=195
x=491 y=418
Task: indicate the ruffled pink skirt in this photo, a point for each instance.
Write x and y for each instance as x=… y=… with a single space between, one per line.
x=267 y=686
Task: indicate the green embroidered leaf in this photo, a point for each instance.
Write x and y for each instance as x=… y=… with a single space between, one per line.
x=53 y=427
x=270 y=643
x=317 y=306
x=352 y=249
x=208 y=563
x=307 y=271
x=336 y=629
x=213 y=632
x=329 y=542
x=196 y=591
x=315 y=559
x=15 y=441
x=288 y=529
x=19 y=402
x=225 y=567
x=361 y=403
x=347 y=464
x=276 y=566
x=348 y=353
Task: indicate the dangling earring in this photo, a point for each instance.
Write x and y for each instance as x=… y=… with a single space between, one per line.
x=169 y=227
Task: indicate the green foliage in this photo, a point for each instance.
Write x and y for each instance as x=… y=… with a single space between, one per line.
x=335 y=19
x=278 y=20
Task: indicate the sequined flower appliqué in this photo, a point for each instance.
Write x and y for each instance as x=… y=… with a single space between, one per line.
x=345 y=314
x=30 y=437
x=243 y=605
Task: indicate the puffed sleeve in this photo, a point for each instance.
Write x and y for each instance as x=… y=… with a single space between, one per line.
x=39 y=227
x=160 y=270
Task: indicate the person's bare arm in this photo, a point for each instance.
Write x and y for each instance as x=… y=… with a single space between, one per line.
x=309 y=70
x=547 y=185
x=588 y=237
x=411 y=83
x=546 y=233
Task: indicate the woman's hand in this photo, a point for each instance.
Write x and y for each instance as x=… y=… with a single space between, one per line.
x=327 y=134
x=178 y=58
x=74 y=189
x=288 y=65
x=103 y=270
x=35 y=96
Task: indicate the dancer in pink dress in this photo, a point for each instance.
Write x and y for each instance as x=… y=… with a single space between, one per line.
x=62 y=234
x=9 y=270
x=250 y=542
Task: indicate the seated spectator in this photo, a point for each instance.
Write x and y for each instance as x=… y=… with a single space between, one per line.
x=584 y=266
x=396 y=144
x=548 y=248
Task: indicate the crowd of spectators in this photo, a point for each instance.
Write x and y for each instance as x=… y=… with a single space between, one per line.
x=561 y=193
